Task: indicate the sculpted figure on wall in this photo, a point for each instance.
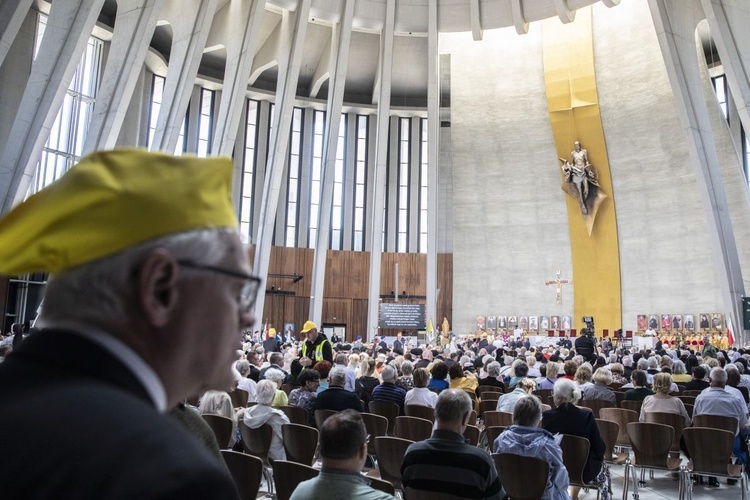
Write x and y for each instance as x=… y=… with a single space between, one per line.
x=580 y=182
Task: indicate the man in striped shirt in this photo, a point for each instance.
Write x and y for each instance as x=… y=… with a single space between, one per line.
x=388 y=390
x=446 y=463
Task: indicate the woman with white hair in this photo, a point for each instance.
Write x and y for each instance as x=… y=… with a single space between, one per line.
x=600 y=390
x=277 y=377
x=219 y=403
x=567 y=418
x=263 y=413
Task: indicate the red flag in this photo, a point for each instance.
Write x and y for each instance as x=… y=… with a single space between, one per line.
x=730 y=333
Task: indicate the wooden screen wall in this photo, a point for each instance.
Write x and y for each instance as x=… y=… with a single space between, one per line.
x=346 y=286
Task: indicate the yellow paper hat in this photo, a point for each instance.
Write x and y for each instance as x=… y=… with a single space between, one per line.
x=113 y=200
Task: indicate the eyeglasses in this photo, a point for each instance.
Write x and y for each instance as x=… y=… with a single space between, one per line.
x=249 y=291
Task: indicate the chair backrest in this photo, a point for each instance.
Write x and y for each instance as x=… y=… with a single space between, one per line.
x=523 y=478
x=413 y=494
x=222 y=427
x=321 y=416
x=247 y=472
x=239 y=398
x=498 y=418
x=472 y=434
x=689 y=410
x=710 y=449
x=608 y=430
x=391 y=451
x=575 y=452
x=623 y=417
x=382 y=485
x=651 y=443
x=287 y=388
x=387 y=410
x=722 y=422
x=632 y=405
x=420 y=411
x=619 y=398
x=688 y=400
x=543 y=394
x=488 y=388
x=473 y=418
x=492 y=433
x=491 y=395
x=296 y=414
x=376 y=426
x=487 y=405
x=257 y=442
x=690 y=392
x=287 y=476
x=596 y=405
x=674 y=420
x=300 y=443
x=413 y=428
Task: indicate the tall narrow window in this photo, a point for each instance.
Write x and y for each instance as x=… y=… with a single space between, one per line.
x=205 y=122
x=64 y=146
x=720 y=87
x=315 y=174
x=295 y=148
x=402 y=223
x=248 y=171
x=337 y=213
x=358 y=244
x=423 y=169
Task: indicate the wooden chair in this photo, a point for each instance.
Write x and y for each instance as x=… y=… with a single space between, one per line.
x=287 y=388
x=300 y=443
x=675 y=421
x=651 y=445
x=609 y=431
x=689 y=410
x=288 y=475
x=543 y=394
x=688 y=400
x=473 y=418
x=487 y=405
x=710 y=452
x=523 y=478
x=498 y=418
x=296 y=414
x=488 y=388
x=491 y=395
x=680 y=388
x=623 y=417
x=575 y=452
x=596 y=405
x=619 y=398
x=257 y=442
x=382 y=485
x=690 y=393
x=321 y=416
x=722 y=422
x=222 y=427
x=472 y=434
x=387 y=410
x=413 y=428
x=420 y=411
x=239 y=398
x=247 y=472
x=391 y=451
x=632 y=405
x=376 y=426
x=492 y=434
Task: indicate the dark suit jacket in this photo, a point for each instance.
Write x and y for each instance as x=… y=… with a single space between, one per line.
x=337 y=399
x=568 y=419
x=75 y=423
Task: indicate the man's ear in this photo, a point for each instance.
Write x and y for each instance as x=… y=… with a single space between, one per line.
x=157 y=293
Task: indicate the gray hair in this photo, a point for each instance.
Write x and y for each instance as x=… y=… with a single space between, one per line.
x=603 y=375
x=265 y=392
x=337 y=376
x=565 y=391
x=389 y=374
x=627 y=361
x=275 y=375
x=553 y=370
x=527 y=412
x=407 y=368
x=493 y=369
x=243 y=366
x=452 y=405
x=678 y=367
x=103 y=292
x=718 y=375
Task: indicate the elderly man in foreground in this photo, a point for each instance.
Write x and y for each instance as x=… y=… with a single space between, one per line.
x=446 y=463
x=150 y=293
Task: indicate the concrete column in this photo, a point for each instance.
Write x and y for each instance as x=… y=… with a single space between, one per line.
x=372 y=123
x=12 y=15
x=675 y=24
x=412 y=237
x=191 y=22
x=13 y=83
x=303 y=232
x=728 y=21
x=238 y=158
x=134 y=129
x=380 y=165
x=261 y=159
x=242 y=39
x=295 y=30
x=433 y=136
x=69 y=27
x=391 y=212
x=349 y=179
x=194 y=115
x=134 y=28
x=342 y=35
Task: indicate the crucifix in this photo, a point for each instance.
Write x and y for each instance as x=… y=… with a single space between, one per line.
x=558 y=282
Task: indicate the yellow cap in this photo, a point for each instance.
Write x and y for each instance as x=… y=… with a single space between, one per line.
x=309 y=325
x=271 y=332
x=113 y=200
